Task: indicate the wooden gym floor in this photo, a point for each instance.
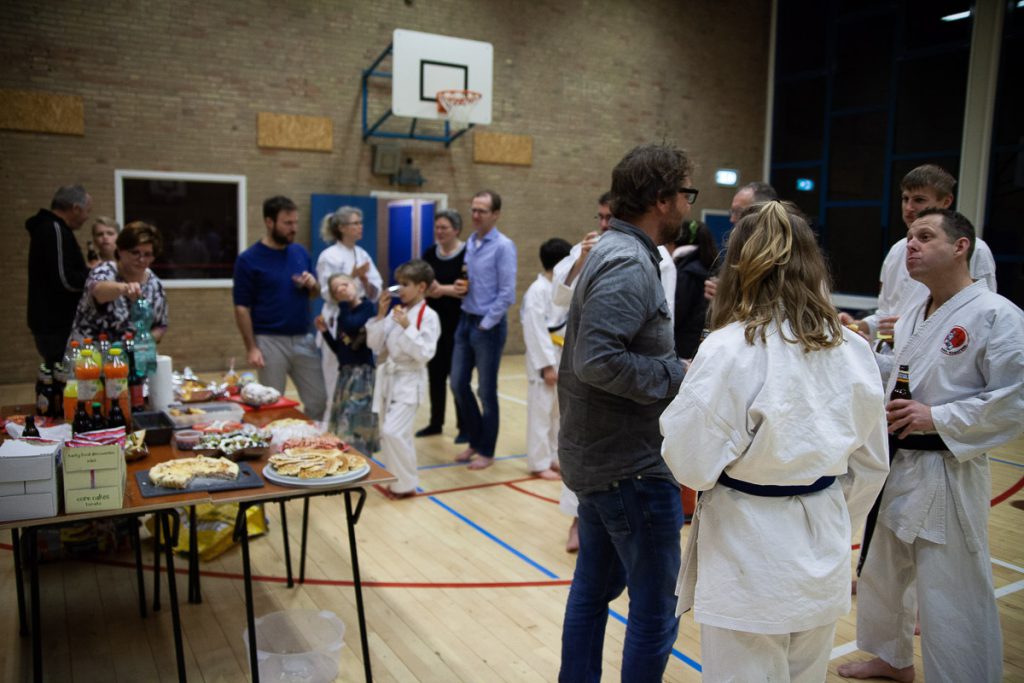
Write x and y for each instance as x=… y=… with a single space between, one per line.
x=466 y=582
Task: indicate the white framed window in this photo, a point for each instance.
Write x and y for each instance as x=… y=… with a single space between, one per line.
x=201 y=217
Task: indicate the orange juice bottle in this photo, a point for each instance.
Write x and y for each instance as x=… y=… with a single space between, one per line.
x=116 y=370
x=87 y=372
x=71 y=388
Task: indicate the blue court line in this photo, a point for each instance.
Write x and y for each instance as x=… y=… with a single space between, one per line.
x=547 y=572
x=675 y=653
x=1006 y=462
x=463 y=464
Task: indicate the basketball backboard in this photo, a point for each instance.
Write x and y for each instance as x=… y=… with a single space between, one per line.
x=425 y=63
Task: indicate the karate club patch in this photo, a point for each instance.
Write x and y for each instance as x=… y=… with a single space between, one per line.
x=956 y=341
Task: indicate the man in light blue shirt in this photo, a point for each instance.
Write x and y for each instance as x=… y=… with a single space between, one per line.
x=483 y=328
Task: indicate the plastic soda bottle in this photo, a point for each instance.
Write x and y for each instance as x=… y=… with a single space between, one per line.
x=87 y=372
x=116 y=371
x=71 y=382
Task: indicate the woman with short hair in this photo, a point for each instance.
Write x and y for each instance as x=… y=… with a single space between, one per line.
x=113 y=286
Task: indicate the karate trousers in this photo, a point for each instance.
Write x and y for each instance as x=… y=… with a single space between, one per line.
x=743 y=657
x=541 y=426
x=397 y=451
x=961 y=638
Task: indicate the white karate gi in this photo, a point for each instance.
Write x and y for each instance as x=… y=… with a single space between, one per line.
x=900 y=293
x=338 y=258
x=772 y=414
x=966 y=361
x=536 y=314
x=561 y=293
x=401 y=384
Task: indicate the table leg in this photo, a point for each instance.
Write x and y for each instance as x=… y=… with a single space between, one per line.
x=194 y=595
x=287 y=547
x=242 y=530
x=32 y=541
x=302 y=550
x=156 y=561
x=137 y=544
x=19 y=579
x=172 y=593
x=351 y=518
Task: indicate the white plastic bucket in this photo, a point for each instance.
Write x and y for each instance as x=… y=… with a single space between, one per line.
x=298 y=646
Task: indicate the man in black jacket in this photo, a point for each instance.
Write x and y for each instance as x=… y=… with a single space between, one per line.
x=56 y=269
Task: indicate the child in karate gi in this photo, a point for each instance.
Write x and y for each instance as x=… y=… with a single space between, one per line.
x=404 y=340
x=542 y=358
x=351 y=416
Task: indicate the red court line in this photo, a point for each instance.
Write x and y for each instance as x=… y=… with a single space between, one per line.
x=530 y=493
x=412 y=584
x=1008 y=492
x=474 y=486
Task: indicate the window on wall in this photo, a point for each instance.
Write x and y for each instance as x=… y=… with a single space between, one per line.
x=200 y=216
x=1003 y=224
x=864 y=91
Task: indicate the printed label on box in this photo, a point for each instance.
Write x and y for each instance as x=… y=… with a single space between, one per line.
x=92 y=458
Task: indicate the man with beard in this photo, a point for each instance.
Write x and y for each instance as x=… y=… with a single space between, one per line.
x=272 y=288
x=618 y=373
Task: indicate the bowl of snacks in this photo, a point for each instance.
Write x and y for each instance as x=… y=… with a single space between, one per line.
x=243 y=444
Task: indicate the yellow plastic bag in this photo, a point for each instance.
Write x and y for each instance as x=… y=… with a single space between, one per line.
x=215 y=526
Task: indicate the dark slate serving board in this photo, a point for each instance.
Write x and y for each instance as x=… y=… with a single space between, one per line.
x=247 y=479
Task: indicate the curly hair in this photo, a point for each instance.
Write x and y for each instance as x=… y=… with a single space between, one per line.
x=774 y=272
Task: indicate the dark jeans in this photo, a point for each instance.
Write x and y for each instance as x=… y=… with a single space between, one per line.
x=629 y=538
x=51 y=345
x=437 y=371
x=480 y=349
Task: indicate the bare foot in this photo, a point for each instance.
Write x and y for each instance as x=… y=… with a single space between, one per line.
x=466 y=455
x=556 y=467
x=550 y=475
x=876 y=668
x=573 y=544
x=481 y=463
x=853 y=587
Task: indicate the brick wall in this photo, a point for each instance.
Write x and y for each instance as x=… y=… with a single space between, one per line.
x=177 y=86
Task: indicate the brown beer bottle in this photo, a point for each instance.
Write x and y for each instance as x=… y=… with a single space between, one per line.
x=902 y=388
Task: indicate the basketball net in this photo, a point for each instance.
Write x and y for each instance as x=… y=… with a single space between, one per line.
x=457 y=105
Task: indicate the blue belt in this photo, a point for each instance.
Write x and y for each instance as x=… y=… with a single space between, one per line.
x=771 y=491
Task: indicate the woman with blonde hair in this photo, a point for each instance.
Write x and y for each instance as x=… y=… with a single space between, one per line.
x=779 y=422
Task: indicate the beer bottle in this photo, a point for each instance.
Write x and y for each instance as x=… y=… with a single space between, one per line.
x=30 y=426
x=902 y=388
x=115 y=418
x=98 y=421
x=82 y=422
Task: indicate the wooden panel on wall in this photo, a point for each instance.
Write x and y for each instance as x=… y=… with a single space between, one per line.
x=502 y=148
x=42 y=112
x=289 y=131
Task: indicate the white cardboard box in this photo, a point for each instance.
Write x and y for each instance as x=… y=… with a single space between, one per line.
x=28 y=482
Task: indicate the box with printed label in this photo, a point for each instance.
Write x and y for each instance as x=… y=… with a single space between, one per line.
x=94 y=478
x=28 y=482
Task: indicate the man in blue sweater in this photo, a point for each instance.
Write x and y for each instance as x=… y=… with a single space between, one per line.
x=274 y=282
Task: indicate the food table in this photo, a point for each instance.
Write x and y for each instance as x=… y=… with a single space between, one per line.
x=135 y=505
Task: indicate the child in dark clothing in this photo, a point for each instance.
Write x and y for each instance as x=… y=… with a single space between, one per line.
x=351 y=415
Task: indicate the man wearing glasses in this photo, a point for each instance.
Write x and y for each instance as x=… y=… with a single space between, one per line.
x=618 y=373
x=483 y=328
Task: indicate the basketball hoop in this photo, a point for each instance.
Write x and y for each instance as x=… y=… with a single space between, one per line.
x=457 y=105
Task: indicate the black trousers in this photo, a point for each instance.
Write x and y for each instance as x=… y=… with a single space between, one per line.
x=438 y=370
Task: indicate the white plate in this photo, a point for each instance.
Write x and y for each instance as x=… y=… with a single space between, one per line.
x=272 y=475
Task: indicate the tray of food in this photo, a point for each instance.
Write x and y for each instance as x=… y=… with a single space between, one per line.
x=247 y=443
x=199 y=473
x=315 y=467
x=187 y=416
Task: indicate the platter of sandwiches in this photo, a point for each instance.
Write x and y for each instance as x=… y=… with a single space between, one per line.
x=315 y=466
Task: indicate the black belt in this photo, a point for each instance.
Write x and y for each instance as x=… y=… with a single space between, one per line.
x=771 y=491
x=917 y=442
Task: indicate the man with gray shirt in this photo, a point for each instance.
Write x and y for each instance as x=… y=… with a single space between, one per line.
x=618 y=373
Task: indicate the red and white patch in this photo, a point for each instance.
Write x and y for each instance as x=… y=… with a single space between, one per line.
x=956 y=341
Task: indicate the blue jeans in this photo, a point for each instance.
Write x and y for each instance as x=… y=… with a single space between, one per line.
x=629 y=538
x=480 y=349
